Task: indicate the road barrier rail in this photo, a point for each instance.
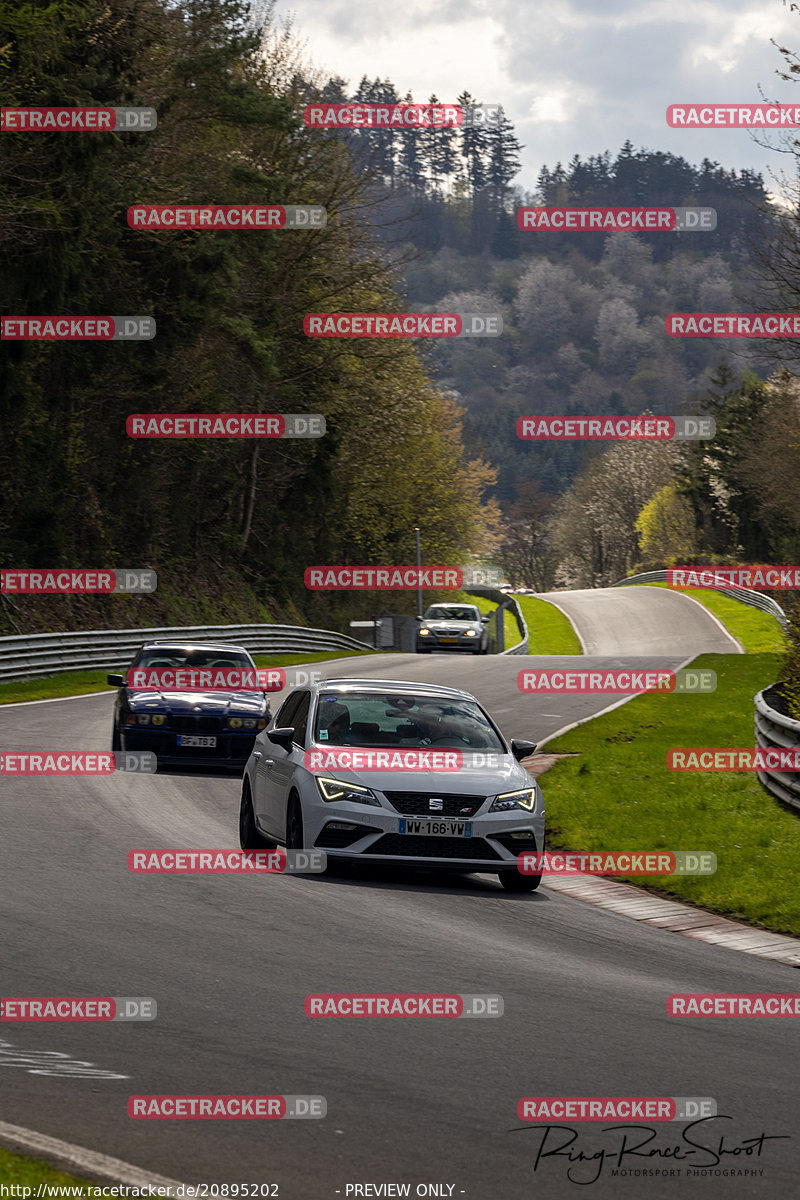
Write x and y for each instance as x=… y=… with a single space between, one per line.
x=24 y=657
x=775 y=730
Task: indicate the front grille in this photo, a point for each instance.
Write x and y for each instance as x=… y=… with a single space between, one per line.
x=415 y=804
x=339 y=839
x=404 y=846
x=183 y=724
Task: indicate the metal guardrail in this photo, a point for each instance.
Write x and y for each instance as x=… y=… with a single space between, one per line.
x=46 y=653
x=746 y=595
x=503 y=602
x=776 y=731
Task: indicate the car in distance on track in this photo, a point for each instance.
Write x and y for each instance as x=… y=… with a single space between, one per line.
x=453 y=627
x=346 y=766
x=189 y=725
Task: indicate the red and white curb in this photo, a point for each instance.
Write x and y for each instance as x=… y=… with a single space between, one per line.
x=678 y=918
x=79 y=1161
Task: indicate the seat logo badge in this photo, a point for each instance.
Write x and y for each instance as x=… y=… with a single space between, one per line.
x=435 y=805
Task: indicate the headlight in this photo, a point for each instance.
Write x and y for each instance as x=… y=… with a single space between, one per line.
x=143 y=718
x=424 y=633
x=244 y=723
x=235 y=722
x=337 y=789
x=470 y=633
x=158 y=719
x=510 y=800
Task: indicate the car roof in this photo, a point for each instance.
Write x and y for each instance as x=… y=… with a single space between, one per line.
x=393 y=685
x=453 y=604
x=192 y=646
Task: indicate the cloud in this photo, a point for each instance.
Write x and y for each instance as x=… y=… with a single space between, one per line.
x=574 y=77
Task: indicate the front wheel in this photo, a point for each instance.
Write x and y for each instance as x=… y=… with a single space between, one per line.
x=294 y=825
x=513 y=881
x=249 y=836
x=116 y=740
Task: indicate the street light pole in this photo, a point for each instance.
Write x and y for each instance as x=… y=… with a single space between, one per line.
x=419 y=567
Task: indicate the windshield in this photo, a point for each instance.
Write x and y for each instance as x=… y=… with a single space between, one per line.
x=173 y=656
x=447 y=612
x=357 y=719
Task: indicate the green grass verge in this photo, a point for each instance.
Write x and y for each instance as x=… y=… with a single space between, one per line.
x=550 y=631
x=78 y=683
x=619 y=795
x=758 y=632
x=25 y=1171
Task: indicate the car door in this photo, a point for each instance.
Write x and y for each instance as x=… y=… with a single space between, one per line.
x=279 y=773
x=263 y=781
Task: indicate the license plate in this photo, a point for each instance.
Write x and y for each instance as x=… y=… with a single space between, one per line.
x=188 y=739
x=438 y=828
x=450 y=641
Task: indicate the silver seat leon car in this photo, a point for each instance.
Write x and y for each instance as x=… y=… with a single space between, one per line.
x=381 y=771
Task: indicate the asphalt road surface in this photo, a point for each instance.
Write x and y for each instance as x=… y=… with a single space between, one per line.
x=421 y=1102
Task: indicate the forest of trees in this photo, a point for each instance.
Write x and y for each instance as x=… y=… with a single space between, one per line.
x=229 y=526
x=418 y=434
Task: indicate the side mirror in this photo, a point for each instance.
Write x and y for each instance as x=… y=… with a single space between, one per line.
x=282 y=737
x=521 y=749
x=116 y=680
x=419 y=618
x=485 y=620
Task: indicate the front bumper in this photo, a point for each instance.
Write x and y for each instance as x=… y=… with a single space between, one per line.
x=231 y=751
x=374 y=837
x=470 y=644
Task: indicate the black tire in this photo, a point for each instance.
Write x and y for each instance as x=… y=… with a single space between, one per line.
x=249 y=837
x=513 y=881
x=116 y=740
x=294 y=825
x=424 y=650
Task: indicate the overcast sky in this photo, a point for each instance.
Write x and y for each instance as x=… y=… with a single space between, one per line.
x=575 y=76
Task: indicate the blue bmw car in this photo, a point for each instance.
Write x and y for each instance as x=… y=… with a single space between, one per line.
x=188 y=726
